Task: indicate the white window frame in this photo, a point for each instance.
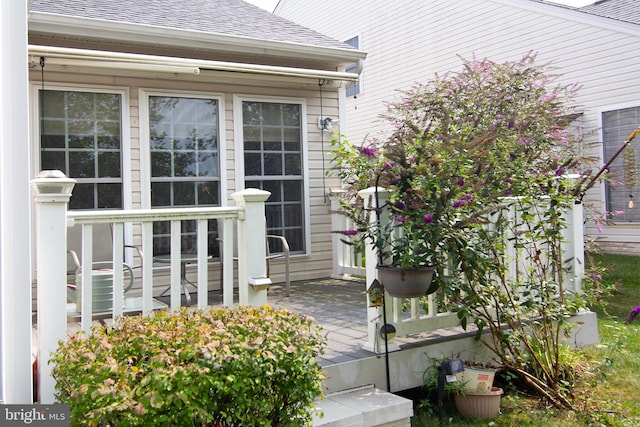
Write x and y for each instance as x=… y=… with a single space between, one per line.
x=359 y=81
x=145 y=156
x=125 y=147
x=238 y=99
x=603 y=190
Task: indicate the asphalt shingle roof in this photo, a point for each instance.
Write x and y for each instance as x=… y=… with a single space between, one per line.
x=621 y=10
x=228 y=17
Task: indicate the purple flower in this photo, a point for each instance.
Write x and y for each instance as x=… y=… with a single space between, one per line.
x=468 y=196
x=427 y=218
x=368 y=151
x=560 y=171
x=459 y=203
x=388 y=165
x=460 y=181
x=400 y=205
x=350 y=232
x=401 y=219
x=632 y=314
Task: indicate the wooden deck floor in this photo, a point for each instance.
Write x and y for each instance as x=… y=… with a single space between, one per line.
x=339 y=306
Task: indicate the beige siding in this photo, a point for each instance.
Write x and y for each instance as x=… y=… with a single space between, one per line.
x=407 y=41
x=316 y=264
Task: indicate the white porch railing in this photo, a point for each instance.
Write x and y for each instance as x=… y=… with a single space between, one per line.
x=52 y=219
x=415 y=315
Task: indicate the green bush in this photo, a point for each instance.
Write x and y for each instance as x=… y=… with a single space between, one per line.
x=249 y=366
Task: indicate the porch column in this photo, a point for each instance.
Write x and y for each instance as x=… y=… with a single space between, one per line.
x=252 y=245
x=375 y=343
x=15 y=227
x=51 y=193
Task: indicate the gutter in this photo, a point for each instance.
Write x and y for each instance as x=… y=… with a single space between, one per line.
x=131 y=61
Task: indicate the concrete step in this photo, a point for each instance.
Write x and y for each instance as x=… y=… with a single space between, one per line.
x=363 y=407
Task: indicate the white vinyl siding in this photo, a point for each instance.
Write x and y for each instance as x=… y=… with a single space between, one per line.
x=413 y=40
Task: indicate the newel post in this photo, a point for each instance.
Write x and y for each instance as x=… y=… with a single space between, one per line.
x=252 y=245
x=374 y=314
x=51 y=193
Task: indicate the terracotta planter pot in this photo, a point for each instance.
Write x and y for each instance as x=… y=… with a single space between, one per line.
x=475 y=404
x=407 y=282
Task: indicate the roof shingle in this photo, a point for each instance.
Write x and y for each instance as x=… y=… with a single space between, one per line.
x=228 y=17
x=621 y=10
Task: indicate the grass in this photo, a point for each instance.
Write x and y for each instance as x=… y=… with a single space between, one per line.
x=605 y=394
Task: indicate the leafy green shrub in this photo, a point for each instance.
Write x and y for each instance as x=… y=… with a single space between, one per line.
x=225 y=367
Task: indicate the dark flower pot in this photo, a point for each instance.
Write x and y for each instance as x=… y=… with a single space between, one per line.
x=407 y=282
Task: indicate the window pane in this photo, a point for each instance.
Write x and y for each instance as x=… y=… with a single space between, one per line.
x=53 y=134
x=108 y=134
x=161 y=194
x=293 y=215
x=293 y=164
x=271 y=114
x=291 y=114
x=81 y=135
x=82 y=164
x=109 y=165
x=292 y=191
x=208 y=164
x=274 y=188
x=208 y=194
x=253 y=164
x=184 y=164
x=273 y=158
x=109 y=195
x=272 y=164
x=184 y=143
x=82 y=197
x=160 y=164
x=617 y=126
x=184 y=194
x=52 y=160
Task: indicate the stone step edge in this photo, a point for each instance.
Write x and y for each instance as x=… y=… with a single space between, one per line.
x=364 y=406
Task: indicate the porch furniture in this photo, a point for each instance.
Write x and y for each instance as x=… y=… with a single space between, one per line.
x=271 y=239
x=185 y=258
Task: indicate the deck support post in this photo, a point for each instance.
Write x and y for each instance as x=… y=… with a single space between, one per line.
x=51 y=193
x=375 y=343
x=252 y=230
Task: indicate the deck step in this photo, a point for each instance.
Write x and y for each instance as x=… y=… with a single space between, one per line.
x=364 y=407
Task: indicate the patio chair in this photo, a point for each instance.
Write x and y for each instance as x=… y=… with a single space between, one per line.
x=270 y=240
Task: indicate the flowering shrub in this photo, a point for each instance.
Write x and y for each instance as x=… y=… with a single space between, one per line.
x=459 y=145
x=222 y=367
x=474 y=171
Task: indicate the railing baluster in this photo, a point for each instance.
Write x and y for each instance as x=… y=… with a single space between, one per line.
x=227 y=260
x=176 y=265
x=118 y=276
x=147 y=267
x=203 y=267
x=86 y=315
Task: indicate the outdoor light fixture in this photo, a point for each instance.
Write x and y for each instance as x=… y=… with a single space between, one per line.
x=53 y=185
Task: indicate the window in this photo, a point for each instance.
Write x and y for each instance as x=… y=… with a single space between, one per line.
x=353 y=89
x=81 y=135
x=184 y=155
x=617 y=125
x=273 y=161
